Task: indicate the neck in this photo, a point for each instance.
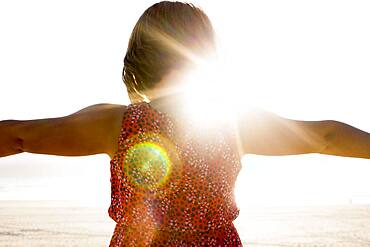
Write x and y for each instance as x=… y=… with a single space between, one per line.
x=172 y=104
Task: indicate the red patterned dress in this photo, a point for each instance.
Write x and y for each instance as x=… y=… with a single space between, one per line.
x=172 y=184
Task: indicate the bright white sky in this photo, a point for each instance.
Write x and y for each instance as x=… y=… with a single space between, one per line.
x=304 y=60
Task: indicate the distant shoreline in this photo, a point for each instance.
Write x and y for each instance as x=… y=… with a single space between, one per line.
x=90 y=204
x=50 y=203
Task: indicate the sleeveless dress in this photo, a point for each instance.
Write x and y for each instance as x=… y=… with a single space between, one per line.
x=172 y=182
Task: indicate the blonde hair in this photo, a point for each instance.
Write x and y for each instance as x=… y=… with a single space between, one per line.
x=167 y=36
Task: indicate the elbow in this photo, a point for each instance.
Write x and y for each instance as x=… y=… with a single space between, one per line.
x=19 y=145
x=345 y=140
x=329 y=138
x=16 y=134
x=327 y=145
x=10 y=143
x=16 y=147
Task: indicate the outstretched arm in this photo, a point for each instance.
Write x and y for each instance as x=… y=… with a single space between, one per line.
x=265 y=133
x=91 y=130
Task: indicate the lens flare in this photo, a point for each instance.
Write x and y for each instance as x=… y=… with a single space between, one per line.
x=149 y=162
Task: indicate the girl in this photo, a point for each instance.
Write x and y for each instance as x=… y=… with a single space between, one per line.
x=172 y=179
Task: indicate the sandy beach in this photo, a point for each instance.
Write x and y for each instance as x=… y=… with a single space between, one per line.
x=55 y=225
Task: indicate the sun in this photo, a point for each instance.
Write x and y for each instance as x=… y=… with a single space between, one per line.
x=212 y=94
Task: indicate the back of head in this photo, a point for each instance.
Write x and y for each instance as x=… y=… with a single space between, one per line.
x=168 y=36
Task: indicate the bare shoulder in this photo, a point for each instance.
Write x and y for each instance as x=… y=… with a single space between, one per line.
x=104 y=108
x=109 y=117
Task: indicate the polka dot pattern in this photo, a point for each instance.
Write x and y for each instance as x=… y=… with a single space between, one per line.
x=172 y=184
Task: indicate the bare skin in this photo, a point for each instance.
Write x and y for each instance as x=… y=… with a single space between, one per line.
x=265 y=133
x=95 y=130
x=92 y=130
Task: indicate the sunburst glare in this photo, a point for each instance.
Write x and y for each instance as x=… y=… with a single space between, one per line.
x=212 y=95
x=212 y=88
